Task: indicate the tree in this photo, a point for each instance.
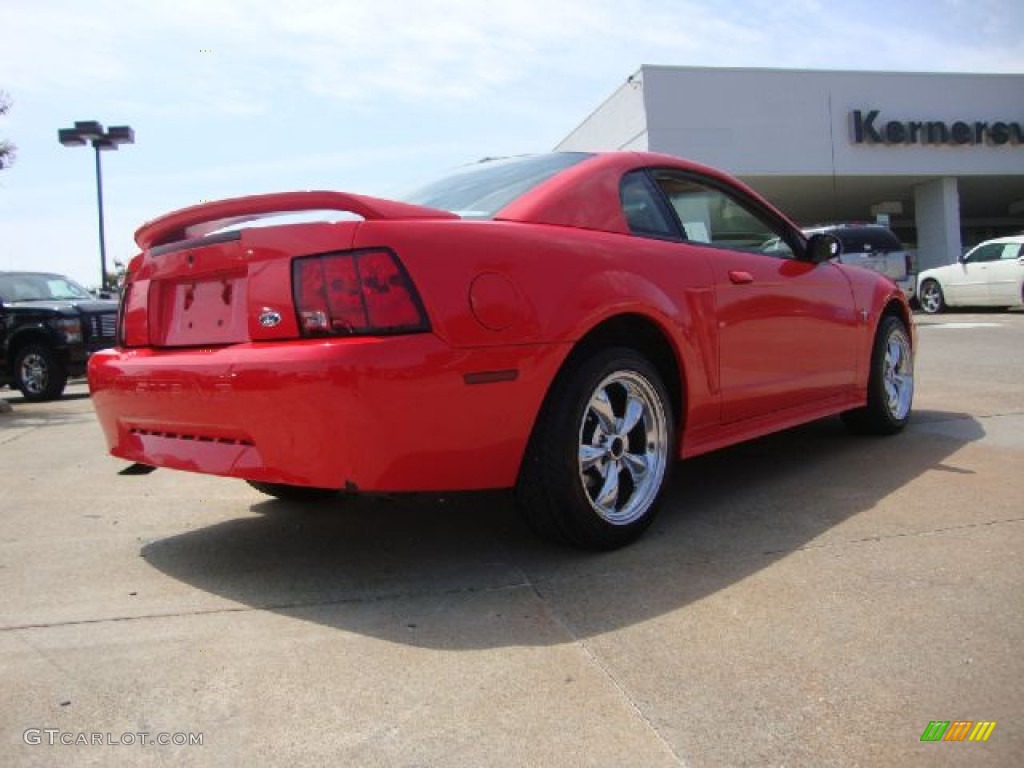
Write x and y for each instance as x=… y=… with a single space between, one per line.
x=115 y=279
x=6 y=148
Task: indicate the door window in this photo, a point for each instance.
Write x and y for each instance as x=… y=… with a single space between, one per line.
x=989 y=252
x=1011 y=251
x=712 y=216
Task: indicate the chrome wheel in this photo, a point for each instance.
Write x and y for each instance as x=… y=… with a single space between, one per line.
x=33 y=374
x=898 y=374
x=623 y=447
x=890 y=392
x=39 y=373
x=930 y=297
x=600 y=453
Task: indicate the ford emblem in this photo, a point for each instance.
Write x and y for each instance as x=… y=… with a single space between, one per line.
x=269 y=318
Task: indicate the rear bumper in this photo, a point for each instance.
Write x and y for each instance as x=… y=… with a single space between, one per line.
x=370 y=414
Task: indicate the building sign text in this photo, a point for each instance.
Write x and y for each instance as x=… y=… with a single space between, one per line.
x=868 y=128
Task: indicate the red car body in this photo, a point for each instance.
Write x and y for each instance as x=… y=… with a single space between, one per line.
x=205 y=380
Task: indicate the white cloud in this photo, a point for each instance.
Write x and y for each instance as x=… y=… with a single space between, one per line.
x=233 y=56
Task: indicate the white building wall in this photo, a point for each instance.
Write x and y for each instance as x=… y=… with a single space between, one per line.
x=742 y=121
x=620 y=123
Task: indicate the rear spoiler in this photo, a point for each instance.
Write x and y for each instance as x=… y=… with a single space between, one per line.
x=200 y=220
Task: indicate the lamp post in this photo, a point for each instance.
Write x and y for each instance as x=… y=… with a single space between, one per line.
x=90 y=131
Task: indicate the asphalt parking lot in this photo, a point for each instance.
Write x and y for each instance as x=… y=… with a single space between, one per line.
x=809 y=599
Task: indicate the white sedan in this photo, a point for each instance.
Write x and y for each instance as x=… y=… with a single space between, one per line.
x=988 y=275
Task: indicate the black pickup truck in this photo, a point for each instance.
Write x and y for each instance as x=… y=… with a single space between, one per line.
x=49 y=325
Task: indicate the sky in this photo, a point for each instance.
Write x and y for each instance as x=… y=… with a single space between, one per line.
x=238 y=97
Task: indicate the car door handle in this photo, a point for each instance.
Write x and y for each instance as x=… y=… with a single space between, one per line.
x=739 y=277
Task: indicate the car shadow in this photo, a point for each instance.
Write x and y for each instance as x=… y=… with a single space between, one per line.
x=727 y=516
x=920 y=314
x=20 y=400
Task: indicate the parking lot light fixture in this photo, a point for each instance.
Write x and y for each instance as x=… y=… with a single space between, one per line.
x=92 y=132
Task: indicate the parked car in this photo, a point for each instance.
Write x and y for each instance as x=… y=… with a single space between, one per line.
x=875 y=247
x=989 y=275
x=567 y=324
x=49 y=326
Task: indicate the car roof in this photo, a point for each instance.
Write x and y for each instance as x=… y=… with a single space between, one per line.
x=586 y=195
x=997 y=240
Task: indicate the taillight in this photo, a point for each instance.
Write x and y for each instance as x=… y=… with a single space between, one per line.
x=357 y=292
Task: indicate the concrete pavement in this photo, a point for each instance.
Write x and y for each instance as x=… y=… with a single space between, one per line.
x=807 y=599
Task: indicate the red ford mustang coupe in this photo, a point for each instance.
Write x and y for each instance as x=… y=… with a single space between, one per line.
x=566 y=324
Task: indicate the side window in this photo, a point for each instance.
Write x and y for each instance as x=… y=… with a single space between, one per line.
x=990 y=252
x=710 y=215
x=643 y=213
x=1012 y=251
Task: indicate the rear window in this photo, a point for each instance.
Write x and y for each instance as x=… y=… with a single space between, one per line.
x=481 y=190
x=867 y=240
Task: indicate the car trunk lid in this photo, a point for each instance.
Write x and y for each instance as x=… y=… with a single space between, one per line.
x=196 y=284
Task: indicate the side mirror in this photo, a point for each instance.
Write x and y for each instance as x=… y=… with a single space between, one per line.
x=821 y=248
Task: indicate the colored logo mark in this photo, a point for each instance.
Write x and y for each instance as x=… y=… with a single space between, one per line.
x=958 y=730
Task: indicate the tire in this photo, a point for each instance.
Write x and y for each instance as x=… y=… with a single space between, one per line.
x=930 y=297
x=293 y=492
x=890 y=383
x=600 y=453
x=39 y=373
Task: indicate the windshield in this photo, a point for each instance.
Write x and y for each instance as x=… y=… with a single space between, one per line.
x=40 y=287
x=479 y=191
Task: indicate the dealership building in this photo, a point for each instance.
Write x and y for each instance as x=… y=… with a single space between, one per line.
x=938 y=157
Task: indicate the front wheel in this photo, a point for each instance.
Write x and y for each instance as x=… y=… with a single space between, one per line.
x=600 y=453
x=890 y=382
x=930 y=297
x=39 y=373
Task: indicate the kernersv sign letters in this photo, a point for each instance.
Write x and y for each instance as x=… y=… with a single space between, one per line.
x=868 y=128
